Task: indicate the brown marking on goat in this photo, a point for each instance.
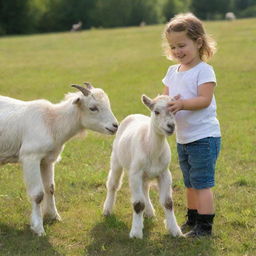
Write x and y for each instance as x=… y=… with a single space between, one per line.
x=138 y=207
x=39 y=198
x=52 y=189
x=168 y=204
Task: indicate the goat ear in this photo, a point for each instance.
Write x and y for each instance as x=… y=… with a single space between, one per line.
x=147 y=101
x=85 y=91
x=77 y=101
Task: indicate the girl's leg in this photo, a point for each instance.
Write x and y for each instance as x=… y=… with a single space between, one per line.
x=205 y=201
x=205 y=216
x=203 y=154
x=192 y=206
x=192 y=198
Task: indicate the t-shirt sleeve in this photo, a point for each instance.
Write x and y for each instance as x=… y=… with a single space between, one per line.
x=166 y=79
x=206 y=75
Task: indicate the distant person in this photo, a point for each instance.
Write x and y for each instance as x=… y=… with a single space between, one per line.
x=191 y=83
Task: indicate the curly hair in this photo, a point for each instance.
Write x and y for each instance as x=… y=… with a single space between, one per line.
x=194 y=29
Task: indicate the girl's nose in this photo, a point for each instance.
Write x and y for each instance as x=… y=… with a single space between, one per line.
x=176 y=52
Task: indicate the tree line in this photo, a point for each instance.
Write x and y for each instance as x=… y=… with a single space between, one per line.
x=39 y=16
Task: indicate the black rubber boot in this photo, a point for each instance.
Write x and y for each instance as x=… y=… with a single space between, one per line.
x=191 y=220
x=203 y=226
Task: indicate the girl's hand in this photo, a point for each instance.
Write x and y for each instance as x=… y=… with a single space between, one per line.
x=177 y=97
x=176 y=104
x=203 y=100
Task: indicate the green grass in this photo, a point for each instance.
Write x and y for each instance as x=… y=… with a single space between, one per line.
x=127 y=63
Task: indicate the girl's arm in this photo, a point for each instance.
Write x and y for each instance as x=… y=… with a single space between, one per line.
x=203 y=100
x=165 y=90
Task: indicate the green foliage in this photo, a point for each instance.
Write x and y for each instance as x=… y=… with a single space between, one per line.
x=126 y=63
x=243 y=8
x=248 y=12
x=120 y=13
x=30 y=16
x=169 y=9
x=61 y=14
x=243 y=4
x=15 y=17
x=172 y=7
x=205 y=9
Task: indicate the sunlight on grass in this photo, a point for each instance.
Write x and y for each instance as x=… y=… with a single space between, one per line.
x=126 y=63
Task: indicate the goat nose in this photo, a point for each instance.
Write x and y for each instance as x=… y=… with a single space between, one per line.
x=170 y=125
x=115 y=125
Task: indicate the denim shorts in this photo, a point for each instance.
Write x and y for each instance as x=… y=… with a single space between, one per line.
x=197 y=162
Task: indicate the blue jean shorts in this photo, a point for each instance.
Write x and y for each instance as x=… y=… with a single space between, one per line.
x=197 y=162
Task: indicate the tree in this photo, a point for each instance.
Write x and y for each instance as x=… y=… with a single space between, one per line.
x=113 y=13
x=206 y=9
x=172 y=7
x=61 y=14
x=243 y=8
x=15 y=17
x=169 y=9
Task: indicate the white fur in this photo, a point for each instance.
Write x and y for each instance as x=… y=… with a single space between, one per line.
x=34 y=132
x=141 y=148
x=230 y=16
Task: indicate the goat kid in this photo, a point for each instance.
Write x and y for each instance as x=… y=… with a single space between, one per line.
x=34 y=132
x=142 y=149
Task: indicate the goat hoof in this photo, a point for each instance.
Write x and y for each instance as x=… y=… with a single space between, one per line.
x=106 y=212
x=57 y=217
x=42 y=234
x=52 y=217
x=38 y=231
x=136 y=234
x=176 y=233
x=174 y=230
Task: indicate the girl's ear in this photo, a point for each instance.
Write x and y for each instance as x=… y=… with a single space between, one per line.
x=199 y=42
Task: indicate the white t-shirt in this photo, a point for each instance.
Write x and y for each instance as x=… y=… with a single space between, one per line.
x=196 y=124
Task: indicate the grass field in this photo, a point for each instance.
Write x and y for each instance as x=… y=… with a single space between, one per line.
x=127 y=63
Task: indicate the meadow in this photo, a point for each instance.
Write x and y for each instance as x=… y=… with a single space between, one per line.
x=126 y=63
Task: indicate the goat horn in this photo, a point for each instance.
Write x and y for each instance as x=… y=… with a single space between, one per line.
x=89 y=86
x=85 y=91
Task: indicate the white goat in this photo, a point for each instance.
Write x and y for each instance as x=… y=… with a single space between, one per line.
x=76 y=27
x=33 y=133
x=141 y=148
x=230 y=16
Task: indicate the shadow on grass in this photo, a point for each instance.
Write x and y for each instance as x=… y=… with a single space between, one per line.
x=23 y=242
x=111 y=238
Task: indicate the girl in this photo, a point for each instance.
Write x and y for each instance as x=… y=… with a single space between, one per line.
x=191 y=83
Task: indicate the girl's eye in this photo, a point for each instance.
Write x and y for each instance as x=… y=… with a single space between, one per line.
x=157 y=112
x=94 y=109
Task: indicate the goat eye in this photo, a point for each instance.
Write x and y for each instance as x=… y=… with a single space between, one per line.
x=94 y=109
x=157 y=112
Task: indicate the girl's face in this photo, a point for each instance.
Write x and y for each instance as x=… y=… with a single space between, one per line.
x=184 y=49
